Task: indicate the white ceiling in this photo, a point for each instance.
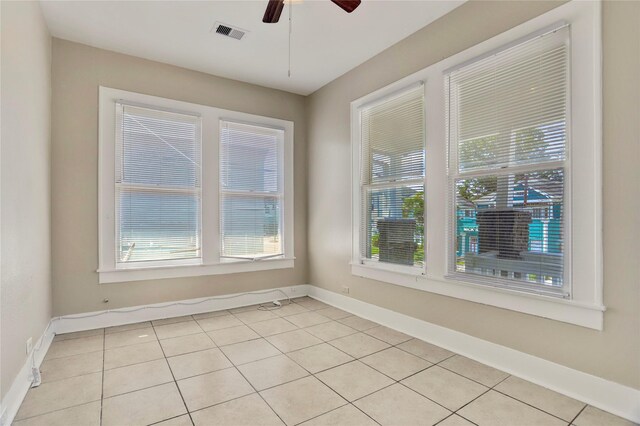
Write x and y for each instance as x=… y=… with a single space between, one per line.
x=326 y=41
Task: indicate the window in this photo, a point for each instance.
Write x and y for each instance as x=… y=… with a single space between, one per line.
x=157 y=186
x=188 y=190
x=512 y=169
x=251 y=191
x=507 y=136
x=392 y=172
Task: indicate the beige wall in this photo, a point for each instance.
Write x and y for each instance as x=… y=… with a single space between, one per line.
x=78 y=70
x=25 y=193
x=614 y=353
x=323 y=119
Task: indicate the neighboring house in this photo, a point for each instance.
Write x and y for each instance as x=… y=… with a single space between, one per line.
x=545 y=229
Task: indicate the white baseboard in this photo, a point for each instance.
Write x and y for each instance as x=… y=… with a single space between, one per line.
x=21 y=384
x=130 y=315
x=613 y=397
x=606 y=395
x=87 y=321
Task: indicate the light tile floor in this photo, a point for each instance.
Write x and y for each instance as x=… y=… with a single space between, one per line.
x=306 y=363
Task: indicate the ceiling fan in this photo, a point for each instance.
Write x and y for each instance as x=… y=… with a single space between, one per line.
x=274 y=9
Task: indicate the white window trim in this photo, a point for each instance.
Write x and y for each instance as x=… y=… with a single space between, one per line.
x=585 y=308
x=210 y=262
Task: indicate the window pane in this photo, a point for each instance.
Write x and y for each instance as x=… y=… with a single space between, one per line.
x=394 y=226
x=251 y=184
x=393 y=139
x=525 y=146
x=157 y=185
x=511 y=108
x=249 y=159
x=157 y=225
x=251 y=226
x=392 y=175
x=511 y=226
x=159 y=148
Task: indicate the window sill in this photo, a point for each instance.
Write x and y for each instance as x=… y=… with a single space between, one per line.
x=182 y=271
x=569 y=311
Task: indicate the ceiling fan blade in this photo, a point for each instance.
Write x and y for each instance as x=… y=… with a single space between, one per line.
x=273 y=12
x=347 y=5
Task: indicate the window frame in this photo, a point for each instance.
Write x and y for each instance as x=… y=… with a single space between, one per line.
x=585 y=306
x=358 y=195
x=120 y=105
x=280 y=195
x=210 y=262
x=455 y=173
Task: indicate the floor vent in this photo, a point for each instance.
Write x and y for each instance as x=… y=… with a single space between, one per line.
x=229 y=31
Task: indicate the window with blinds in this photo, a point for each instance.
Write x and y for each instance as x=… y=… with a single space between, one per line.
x=507 y=117
x=392 y=164
x=157 y=185
x=251 y=191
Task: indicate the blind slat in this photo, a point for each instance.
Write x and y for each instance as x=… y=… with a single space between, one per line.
x=392 y=157
x=504 y=112
x=251 y=178
x=157 y=185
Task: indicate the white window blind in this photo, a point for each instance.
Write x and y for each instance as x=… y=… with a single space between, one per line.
x=157 y=185
x=392 y=161
x=507 y=120
x=251 y=191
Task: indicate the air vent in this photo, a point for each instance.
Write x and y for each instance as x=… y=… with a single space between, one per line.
x=228 y=31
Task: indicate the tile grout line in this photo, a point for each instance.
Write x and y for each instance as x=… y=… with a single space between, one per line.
x=530 y=405
x=336 y=409
x=320 y=371
x=578 y=415
x=310 y=374
x=399 y=382
x=104 y=352
x=378 y=371
x=170 y=418
x=477 y=397
x=173 y=375
x=150 y=324
x=74 y=375
x=250 y=384
x=324 y=412
x=265 y=338
x=373 y=368
x=134 y=363
x=232 y=365
x=469 y=378
x=426 y=397
x=362 y=411
x=448 y=417
x=56 y=410
x=493 y=388
x=452 y=371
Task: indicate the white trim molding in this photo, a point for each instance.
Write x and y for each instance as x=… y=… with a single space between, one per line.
x=21 y=384
x=133 y=314
x=613 y=397
x=209 y=262
x=569 y=311
x=583 y=305
x=124 y=275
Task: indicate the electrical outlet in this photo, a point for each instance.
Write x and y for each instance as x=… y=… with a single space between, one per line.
x=29 y=345
x=345 y=289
